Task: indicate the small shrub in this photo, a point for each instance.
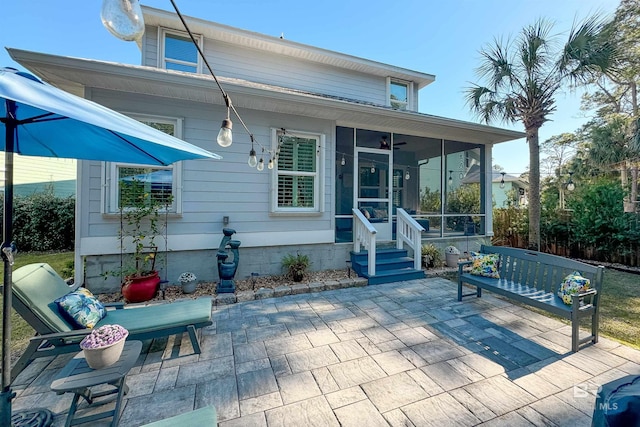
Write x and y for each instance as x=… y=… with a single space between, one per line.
x=431 y=255
x=296 y=266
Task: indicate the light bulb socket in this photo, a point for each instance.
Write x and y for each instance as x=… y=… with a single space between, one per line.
x=227 y=124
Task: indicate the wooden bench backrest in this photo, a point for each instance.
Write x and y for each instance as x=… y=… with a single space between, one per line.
x=542 y=271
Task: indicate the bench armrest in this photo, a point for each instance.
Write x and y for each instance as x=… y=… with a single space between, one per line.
x=461 y=266
x=581 y=297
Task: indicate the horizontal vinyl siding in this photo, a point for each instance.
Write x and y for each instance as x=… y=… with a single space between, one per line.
x=150 y=47
x=253 y=65
x=215 y=188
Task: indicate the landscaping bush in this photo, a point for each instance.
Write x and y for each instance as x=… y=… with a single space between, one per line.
x=43 y=222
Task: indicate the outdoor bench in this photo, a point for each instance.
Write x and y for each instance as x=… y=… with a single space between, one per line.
x=533 y=278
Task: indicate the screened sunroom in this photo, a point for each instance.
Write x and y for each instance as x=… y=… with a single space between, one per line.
x=379 y=172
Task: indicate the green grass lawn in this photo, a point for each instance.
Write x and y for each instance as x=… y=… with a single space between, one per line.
x=20 y=330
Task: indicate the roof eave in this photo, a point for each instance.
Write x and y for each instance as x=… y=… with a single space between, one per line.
x=74 y=74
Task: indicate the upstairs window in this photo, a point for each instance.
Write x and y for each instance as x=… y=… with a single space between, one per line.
x=179 y=53
x=399 y=95
x=297 y=172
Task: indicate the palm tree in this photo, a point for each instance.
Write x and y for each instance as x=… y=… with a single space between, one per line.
x=522 y=78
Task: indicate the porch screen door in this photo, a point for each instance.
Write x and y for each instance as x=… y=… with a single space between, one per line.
x=371 y=189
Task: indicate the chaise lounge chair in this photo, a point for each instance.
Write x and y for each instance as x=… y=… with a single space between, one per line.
x=37 y=286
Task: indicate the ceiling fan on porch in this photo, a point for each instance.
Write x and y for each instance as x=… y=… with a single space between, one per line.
x=384 y=144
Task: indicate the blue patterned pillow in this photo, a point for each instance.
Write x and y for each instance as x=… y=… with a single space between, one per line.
x=487 y=265
x=81 y=308
x=573 y=284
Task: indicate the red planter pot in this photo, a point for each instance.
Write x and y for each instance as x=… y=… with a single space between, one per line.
x=140 y=289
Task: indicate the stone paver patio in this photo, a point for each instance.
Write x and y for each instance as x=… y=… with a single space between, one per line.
x=402 y=354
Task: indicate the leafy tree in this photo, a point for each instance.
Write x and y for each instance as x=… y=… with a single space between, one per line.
x=598 y=220
x=430 y=200
x=521 y=80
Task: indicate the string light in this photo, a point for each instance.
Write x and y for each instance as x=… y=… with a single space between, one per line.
x=270 y=164
x=407 y=176
x=373 y=168
x=502 y=180
x=570 y=185
x=225 y=137
x=450 y=179
x=253 y=160
x=343 y=161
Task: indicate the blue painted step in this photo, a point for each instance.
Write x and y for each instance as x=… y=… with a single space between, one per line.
x=392 y=265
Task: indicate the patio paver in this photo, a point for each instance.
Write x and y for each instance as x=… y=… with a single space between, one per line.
x=401 y=354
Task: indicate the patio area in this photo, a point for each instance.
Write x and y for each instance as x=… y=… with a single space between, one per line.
x=397 y=354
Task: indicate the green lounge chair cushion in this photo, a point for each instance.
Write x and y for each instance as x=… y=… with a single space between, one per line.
x=149 y=318
x=38 y=286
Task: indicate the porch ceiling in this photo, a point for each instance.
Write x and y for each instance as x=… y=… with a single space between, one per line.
x=75 y=74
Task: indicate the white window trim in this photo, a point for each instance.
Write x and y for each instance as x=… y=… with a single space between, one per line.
x=319 y=174
x=109 y=205
x=410 y=98
x=161 y=54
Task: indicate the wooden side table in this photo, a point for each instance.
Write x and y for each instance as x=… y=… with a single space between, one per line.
x=77 y=377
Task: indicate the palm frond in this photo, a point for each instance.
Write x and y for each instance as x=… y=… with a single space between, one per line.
x=534 y=46
x=496 y=66
x=588 y=51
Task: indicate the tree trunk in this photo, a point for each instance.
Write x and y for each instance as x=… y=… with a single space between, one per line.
x=534 y=188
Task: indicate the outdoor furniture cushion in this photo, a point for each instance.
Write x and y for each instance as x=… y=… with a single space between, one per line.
x=81 y=308
x=573 y=284
x=486 y=265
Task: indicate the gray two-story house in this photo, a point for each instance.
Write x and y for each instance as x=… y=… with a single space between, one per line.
x=347 y=133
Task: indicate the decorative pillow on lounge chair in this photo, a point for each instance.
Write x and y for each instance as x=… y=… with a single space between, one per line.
x=573 y=284
x=486 y=265
x=81 y=308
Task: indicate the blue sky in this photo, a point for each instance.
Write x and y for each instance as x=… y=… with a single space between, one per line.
x=436 y=37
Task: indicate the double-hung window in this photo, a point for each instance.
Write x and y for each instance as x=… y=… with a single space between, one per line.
x=178 y=52
x=297 y=172
x=156 y=184
x=400 y=94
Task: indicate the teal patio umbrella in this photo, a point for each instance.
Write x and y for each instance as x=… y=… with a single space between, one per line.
x=41 y=120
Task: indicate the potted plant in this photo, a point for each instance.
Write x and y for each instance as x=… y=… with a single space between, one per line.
x=431 y=256
x=452 y=256
x=103 y=346
x=296 y=266
x=188 y=282
x=140 y=225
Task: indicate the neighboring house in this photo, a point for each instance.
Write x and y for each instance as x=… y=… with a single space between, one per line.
x=39 y=174
x=348 y=132
x=509 y=190
x=506 y=189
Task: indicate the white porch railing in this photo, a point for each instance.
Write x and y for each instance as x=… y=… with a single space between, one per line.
x=364 y=235
x=410 y=232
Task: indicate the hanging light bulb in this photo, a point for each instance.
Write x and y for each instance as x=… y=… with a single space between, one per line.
x=450 y=181
x=570 y=185
x=253 y=160
x=343 y=161
x=260 y=166
x=373 y=168
x=270 y=164
x=225 y=137
x=123 y=19
x=461 y=175
x=502 y=180
x=407 y=177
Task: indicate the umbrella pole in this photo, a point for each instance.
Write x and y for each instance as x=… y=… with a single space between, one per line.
x=7 y=256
